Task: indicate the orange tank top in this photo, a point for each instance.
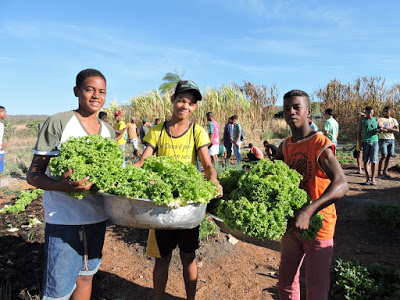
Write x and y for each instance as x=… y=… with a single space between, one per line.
x=303 y=156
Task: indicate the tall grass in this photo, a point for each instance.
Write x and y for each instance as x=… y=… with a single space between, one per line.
x=347 y=100
x=254 y=104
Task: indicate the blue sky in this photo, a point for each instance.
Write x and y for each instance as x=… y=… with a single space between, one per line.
x=293 y=44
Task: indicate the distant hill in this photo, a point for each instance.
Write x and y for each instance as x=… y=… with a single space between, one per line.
x=25 y=118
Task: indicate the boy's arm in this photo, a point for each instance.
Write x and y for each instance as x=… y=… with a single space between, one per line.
x=209 y=170
x=335 y=190
x=147 y=152
x=3 y=145
x=37 y=177
x=279 y=152
x=359 y=134
x=121 y=135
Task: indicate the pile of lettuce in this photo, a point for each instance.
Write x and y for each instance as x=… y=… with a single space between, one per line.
x=161 y=179
x=262 y=201
x=165 y=181
x=94 y=156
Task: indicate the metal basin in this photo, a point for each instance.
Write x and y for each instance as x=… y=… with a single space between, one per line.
x=143 y=213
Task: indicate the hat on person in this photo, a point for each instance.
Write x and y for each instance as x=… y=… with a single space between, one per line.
x=188 y=85
x=145 y=120
x=118 y=113
x=362 y=113
x=133 y=119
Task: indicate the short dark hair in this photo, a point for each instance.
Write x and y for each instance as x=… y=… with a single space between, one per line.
x=209 y=114
x=234 y=117
x=250 y=145
x=388 y=107
x=102 y=114
x=297 y=93
x=82 y=75
x=329 y=111
x=265 y=142
x=157 y=119
x=369 y=108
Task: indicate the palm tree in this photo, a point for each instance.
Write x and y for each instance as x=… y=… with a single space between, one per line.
x=171 y=80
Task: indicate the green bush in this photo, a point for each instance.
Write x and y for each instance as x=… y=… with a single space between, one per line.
x=350 y=280
x=385 y=215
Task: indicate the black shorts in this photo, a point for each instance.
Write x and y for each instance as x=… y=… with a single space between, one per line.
x=186 y=239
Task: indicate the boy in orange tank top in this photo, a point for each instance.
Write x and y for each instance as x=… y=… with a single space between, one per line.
x=313 y=156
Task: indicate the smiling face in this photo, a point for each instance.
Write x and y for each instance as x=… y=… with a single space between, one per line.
x=184 y=104
x=296 y=111
x=91 y=95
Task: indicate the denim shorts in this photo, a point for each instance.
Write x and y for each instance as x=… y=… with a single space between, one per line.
x=386 y=147
x=64 y=258
x=370 y=152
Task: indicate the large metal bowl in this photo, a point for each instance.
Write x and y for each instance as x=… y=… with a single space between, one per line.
x=143 y=213
x=270 y=244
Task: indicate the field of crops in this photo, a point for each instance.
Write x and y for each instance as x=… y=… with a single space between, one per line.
x=367 y=231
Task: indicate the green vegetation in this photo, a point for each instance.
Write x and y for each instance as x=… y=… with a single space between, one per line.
x=207 y=228
x=350 y=280
x=25 y=199
x=94 y=156
x=260 y=202
x=165 y=181
x=385 y=215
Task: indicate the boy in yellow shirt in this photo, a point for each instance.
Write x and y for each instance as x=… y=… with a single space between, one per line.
x=181 y=138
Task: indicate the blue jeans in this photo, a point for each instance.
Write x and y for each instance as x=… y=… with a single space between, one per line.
x=236 y=150
x=386 y=147
x=64 y=258
x=370 y=152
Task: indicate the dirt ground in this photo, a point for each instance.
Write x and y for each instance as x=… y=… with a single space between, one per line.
x=226 y=271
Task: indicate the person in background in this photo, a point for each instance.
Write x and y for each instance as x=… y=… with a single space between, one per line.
x=75 y=229
x=133 y=132
x=103 y=116
x=270 y=150
x=190 y=140
x=367 y=136
x=312 y=124
x=228 y=139
x=213 y=133
x=237 y=133
x=388 y=126
x=331 y=126
x=120 y=128
x=3 y=115
x=143 y=131
x=358 y=152
x=156 y=122
x=312 y=155
x=255 y=153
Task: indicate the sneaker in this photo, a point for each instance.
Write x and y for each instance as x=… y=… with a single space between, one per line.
x=367 y=183
x=373 y=183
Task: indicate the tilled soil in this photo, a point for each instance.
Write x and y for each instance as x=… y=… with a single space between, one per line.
x=226 y=270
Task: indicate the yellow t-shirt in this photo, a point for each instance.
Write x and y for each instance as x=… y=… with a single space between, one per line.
x=182 y=147
x=119 y=126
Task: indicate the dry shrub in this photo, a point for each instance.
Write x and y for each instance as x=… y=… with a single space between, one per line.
x=347 y=100
x=254 y=104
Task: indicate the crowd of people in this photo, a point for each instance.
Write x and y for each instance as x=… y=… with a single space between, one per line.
x=75 y=229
